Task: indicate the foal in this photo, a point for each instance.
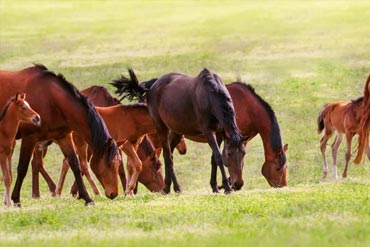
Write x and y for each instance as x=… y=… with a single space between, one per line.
x=344 y=118
x=15 y=110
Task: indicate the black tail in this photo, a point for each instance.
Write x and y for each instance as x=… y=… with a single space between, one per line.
x=130 y=88
x=320 y=121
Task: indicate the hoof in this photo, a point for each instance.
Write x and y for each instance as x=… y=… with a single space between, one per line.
x=17 y=204
x=53 y=194
x=177 y=189
x=228 y=192
x=166 y=190
x=92 y=203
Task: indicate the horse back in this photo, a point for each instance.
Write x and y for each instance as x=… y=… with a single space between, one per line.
x=170 y=100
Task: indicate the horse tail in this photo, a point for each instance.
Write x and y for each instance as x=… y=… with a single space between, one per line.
x=130 y=88
x=320 y=120
x=363 y=140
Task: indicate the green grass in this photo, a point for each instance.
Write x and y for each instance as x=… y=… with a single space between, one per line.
x=298 y=55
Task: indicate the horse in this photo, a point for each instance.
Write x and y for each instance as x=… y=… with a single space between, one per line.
x=191 y=106
x=15 y=111
x=258 y=118
x=364 y=128
x=63 y=109
x=343 y=118
x=150 y=176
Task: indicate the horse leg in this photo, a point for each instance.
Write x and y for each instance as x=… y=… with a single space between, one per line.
x=50 y=182
x=335 y=147
x=62 y=177
x=212 y=141
x=66 y=145
x=323 y=142
x=213 y=181
x=349 y=137
x=122 y=175
x=134 y=167
x=368 y=153
x=82 y=154
x=27 y=147
x=36 y=163
x=7 y=178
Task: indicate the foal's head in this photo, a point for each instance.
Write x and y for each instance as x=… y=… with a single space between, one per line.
x=24 y=112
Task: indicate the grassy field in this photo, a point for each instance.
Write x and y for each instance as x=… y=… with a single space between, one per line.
x=298 y=55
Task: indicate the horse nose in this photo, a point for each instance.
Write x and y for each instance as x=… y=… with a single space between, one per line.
x=112 y=196
x=238 y=185
x=36 y=120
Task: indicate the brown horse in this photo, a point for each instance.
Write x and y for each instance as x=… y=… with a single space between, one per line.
x=258 y=118
x=191 y=106
x=62 y=109
x=15 y=110
x=150 y=176
x=343 y=118
x=364 y=128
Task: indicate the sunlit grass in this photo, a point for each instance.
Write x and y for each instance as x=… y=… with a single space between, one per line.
x=298 y=55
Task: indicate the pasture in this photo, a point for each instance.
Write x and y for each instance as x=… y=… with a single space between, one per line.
x=298 y=56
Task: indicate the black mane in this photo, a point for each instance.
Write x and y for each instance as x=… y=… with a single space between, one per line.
x=99 y=132
x=358 y=100
x=223 y=96
x=276 y=141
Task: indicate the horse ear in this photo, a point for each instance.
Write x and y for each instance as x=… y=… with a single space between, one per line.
x=17 y=97
x=285 y=148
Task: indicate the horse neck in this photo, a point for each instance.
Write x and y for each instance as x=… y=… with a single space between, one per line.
x=9 y=124
x=265 y=131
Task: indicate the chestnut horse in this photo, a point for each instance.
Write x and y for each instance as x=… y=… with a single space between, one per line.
x=364 y=128
x=151 y=175
x=62 y=109
x=343 y=118
x=15 y=110
x=258 y=118
x=191 y=106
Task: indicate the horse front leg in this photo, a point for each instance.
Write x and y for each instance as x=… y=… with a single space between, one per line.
x=349 y=137
x=62 y=177
x=27 y=147
x=6 y=177
x=134 y=167
x=66 y=145
x=217 y=157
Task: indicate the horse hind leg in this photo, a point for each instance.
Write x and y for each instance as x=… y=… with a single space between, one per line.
x=335 y=147
x=323 y=142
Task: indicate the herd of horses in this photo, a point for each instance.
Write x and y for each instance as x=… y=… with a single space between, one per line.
x=93 y=128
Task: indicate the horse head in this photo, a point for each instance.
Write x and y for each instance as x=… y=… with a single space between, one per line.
x=274 y=170
x=233 y=158
x=151 y=174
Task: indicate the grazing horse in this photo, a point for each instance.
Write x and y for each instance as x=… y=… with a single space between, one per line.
x=63 y=109
x=150 y=176
x=343 y=118
x=258 y=118
x=15 y=110
x=191 y=106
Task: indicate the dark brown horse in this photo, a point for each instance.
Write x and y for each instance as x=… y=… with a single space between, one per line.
x=62 y=109
x=14 y=112
x=150 y=176
x=191 y=106
x=255 y=116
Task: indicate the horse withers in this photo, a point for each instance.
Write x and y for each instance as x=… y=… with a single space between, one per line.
x=15 y=111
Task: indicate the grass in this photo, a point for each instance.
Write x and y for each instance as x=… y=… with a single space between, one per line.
x=298 y=55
